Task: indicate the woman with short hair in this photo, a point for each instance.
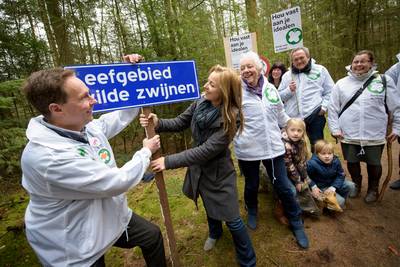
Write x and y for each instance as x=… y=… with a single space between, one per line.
x=260 y=141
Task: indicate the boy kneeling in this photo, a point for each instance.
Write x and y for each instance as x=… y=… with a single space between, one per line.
x=327 y=177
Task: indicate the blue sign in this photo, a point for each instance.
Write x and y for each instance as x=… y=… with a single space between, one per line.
x=119 y=86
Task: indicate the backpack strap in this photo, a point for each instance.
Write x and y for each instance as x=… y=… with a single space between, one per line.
x=357 y=94
x=383 y=78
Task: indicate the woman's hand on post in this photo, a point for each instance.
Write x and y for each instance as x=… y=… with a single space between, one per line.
x=133 y=58
x=158 y=165
x=153 y=143
x=151 y=118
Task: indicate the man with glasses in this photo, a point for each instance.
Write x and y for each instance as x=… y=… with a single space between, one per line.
x=305 y=90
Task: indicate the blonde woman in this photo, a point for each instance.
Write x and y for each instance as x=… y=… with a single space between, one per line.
x=214 y=121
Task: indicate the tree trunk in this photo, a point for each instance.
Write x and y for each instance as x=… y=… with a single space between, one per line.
x=252 y=20
x=57 y=22
x=49 y=32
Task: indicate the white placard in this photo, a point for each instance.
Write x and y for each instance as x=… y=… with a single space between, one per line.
x=286 y=29
x=237 y=45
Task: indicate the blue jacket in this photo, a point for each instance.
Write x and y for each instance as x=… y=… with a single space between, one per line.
x=325 y=175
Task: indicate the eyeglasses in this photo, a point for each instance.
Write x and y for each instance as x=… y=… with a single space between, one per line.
x=356 y=62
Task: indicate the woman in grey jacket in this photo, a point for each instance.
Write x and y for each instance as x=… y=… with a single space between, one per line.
x=214 y=120
x=362 y=126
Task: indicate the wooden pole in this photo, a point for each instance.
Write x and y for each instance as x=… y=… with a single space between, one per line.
x=162 y=193
x=389 y=160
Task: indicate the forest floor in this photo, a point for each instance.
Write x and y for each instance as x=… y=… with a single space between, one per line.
x=363 y=235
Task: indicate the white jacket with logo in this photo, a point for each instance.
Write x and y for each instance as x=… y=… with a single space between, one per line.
x=77 y=207
x=366 y=118
x=261 y=136
x=312 y=90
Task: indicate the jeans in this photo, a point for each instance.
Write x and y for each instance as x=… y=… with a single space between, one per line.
x=343 y=192
x=276 y=170
x=315 y=126
x=244 y=249
x=147 y=236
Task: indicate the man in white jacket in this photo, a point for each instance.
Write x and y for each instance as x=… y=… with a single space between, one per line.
x=305 y=90
x=394 y=73
x=78 y=208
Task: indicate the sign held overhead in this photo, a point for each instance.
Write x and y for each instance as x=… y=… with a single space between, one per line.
x=119 y=86
x=237 y=45
x=286 y=29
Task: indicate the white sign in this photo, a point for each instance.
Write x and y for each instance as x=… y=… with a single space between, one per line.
x=237 y=45
x=286 y=29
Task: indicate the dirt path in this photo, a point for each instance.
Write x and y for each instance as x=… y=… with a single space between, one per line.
x=364 y=235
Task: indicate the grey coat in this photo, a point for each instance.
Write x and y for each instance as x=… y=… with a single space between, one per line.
x=210 y=172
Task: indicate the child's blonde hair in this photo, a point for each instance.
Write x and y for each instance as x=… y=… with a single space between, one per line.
x=300 y=123
x=323 y=145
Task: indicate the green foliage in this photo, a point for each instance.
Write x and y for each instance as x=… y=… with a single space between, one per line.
x=12 y=142
x=14 y=249
x=13 y=110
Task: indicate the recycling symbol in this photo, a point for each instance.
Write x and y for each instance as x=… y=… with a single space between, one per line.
x=313 y=75
x=375 y=87
x=294 y=36
x=271 y=95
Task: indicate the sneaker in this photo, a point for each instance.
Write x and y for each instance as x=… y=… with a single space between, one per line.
x=209 y=244
x=395 y=185
x=372 y=196
x=301 y=238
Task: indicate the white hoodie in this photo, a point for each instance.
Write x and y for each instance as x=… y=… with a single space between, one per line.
x=77 y=207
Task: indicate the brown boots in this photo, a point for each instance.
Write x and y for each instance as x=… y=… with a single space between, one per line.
x=279 y=213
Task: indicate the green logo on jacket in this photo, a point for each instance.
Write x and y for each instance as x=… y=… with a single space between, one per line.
x=272 y=95
x=104 y=155
x=82 y=151
x=313 y=75
x=376 y=87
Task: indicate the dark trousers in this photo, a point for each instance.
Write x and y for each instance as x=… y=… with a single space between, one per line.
x=276 y=170
x=147 y=236
x=244 y=249
x=315 y=127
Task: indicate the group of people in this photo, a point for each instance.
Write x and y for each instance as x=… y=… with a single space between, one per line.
x=78 y=208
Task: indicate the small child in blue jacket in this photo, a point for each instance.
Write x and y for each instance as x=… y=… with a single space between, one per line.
x=326 y=173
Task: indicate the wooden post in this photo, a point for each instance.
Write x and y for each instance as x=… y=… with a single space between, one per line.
x=162 y=193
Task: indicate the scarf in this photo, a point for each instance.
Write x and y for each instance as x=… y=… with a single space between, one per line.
x=204 y=115
x=256 y=89
x=362 y=76
x=305 y=70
